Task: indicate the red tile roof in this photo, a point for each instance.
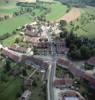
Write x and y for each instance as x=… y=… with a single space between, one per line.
x=10 y=54
x=91 y=61
x=17 y=48
x=59 y=82
x=37 y=61
x=77 y=71
x=72 y=93
x=24 y=58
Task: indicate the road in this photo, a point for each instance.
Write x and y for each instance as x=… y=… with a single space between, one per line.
x=52 y=70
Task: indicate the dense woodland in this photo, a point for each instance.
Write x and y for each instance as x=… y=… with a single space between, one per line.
x=80 y=48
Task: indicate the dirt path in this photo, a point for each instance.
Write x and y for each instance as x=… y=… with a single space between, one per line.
x=72 y=15
x=7 y=7
x=27 y=1
x=2 y=15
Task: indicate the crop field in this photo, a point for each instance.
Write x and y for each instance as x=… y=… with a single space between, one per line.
x=8 y=8
x=57 y=11
x=13 y=23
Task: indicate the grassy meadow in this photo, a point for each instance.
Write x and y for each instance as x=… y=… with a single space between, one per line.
x=86 y=23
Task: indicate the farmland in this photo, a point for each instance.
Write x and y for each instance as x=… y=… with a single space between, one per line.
x=9 y=41
x=57 y=11
x=85 y=24
x=10 y=89
x=8 y=8
x=13 y=23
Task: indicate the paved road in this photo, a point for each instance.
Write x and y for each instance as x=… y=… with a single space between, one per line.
x=52 y=70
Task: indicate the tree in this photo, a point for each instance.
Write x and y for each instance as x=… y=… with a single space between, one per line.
x=34 y=83
x=7 y=66
x=63 y=22
x=17 y=40
x=24 y=72
x=85 y=52
x=75 y=54
x=64 y=33
x=71 y=39
x=3 y=77
x=6 y=17
x=7 y=1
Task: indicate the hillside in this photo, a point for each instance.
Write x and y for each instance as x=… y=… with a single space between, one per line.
x=79 y=2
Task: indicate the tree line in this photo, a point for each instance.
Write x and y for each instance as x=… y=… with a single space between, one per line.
x=80 y=48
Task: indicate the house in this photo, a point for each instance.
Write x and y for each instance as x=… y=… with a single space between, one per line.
x=32 y=40
x=62 y=82
x=26 y=95
x=31 y=31
x=17 y=48
x=28 y=82
x=76 y=71
x=91 y=61
x=37 y=62
x=70 y=95
x=11 y=55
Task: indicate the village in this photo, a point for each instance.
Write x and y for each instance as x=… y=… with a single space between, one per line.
x=44 y=59
x=41 y=45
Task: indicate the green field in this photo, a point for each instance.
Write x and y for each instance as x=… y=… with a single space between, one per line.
x=86 y=26
x=8 y=11
x=9 y=41
x=8 y=91
x=8 y=8
x=13 y=23
x=57 y=11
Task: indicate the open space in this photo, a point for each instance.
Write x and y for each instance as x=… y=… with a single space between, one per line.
x=13 y=23
x=72 y=15
x=85 y=23
x=57 y=11
x=8 y=91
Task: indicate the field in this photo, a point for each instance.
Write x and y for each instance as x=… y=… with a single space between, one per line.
x=13 y=23
x=57 y=11
x=9 y=41
x=86 y=23
x=8 y=8
x=8 y=91
x=72 y=15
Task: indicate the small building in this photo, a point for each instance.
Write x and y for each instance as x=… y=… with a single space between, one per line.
x=26 y=95
x=17 y=48
x=28 y=83
x=11 y=55
x=70 y=95
x=91 y=61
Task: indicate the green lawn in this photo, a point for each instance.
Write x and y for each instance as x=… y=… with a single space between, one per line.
x=37 y=92
x=88 y=30
x=57 y=11
x=59 y=72
x=13 y=23
x=87 y=27
x=10 y=89
x=8 y=11
x=9 y=7
x=9 y=41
